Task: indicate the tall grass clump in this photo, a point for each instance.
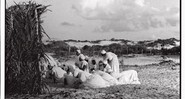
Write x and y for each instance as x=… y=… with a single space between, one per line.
x=23 y=48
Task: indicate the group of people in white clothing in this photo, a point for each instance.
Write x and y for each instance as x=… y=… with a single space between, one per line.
x=90 y=73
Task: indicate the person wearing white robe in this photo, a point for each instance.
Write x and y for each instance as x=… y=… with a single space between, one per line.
x=112 y=60
x=70 y=80
x=46 y=61
x=78 y=55
x=106 y=67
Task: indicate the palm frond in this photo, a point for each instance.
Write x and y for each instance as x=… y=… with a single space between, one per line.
x=23 y=48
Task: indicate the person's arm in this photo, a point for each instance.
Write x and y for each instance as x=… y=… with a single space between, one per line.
x=108 y=69
x=75 y=73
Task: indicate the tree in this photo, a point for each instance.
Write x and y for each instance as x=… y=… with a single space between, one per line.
x=24 y=48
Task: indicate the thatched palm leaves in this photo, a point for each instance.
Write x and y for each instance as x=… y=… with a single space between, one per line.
x=24 y=48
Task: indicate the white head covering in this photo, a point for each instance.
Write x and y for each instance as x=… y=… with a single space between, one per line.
x=103 y=52
x=78 y=51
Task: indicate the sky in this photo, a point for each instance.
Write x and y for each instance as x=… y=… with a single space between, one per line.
x=106 y=19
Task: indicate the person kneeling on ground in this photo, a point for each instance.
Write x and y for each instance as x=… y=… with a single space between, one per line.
x=83 y=79
x=78 y=55
x=93 y=66
x=107 y=67
x=56 y=73
x=83 y=64
x=78 y=75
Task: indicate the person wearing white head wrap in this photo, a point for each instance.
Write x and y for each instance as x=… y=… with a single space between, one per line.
x=83 y=64
x=112 y=60
x=103 y=52
x=78 y=55
x=78 y=51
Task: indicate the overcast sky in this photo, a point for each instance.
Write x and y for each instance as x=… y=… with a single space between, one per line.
x=105 y=19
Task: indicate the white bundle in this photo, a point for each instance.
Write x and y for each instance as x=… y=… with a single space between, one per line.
x=107 y=77
x=83 y=76
x=128 y=77
x=95 y=81
x=58 y=72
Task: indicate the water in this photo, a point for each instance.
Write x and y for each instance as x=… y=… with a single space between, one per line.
x=138 y=60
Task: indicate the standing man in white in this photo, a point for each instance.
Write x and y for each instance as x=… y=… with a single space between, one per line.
x=112 y=60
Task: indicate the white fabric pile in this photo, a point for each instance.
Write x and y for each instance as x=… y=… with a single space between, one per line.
x=72 y=76
x=58 y=73
x=127 y=77
x=107 y=77
x=96 y=81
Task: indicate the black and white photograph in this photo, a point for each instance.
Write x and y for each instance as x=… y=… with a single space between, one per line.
x=92 y=49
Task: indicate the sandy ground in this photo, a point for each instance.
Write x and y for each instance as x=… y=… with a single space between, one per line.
x=158 y=81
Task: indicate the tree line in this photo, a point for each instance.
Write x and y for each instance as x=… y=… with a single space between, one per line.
x=63 y=49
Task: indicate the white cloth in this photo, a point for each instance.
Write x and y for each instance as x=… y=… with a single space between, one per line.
x=107 y=77
x=51 y=60
x=108 y=69
x=103 y=52
x=113 y=61
x=127 y=77
x=58 y=72
x=82 y=75
x=78 y=76
x=96 y=81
